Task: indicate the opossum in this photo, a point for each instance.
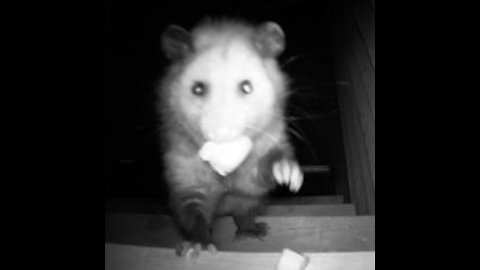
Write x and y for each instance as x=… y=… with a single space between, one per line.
x=224 y=85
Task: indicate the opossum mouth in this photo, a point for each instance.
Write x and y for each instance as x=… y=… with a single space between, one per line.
x=224 y=135
x=227 y=156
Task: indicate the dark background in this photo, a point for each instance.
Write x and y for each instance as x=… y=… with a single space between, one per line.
x=134 y=63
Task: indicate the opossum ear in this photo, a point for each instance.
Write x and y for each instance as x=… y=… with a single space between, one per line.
x=176 y=42
x=270 y=39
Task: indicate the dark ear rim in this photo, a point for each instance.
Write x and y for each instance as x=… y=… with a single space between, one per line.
x=270 y=39
x=176 y=42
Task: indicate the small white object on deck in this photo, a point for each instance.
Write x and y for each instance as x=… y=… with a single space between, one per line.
x=290 y=260
x=225 y=157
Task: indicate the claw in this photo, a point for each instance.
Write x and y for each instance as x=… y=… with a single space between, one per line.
x=288 y=172
x=193 y=250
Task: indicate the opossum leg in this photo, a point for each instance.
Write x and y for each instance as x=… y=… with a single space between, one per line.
x=244 y=218
x=198 y=229
x=248 y=228
x=194 y=216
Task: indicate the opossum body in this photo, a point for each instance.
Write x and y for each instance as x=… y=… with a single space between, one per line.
x=224 y=83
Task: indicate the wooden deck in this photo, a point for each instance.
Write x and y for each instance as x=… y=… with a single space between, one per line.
x=328 y=233
x=127 y=257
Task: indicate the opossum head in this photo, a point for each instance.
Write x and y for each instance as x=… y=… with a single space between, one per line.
x=225 y=81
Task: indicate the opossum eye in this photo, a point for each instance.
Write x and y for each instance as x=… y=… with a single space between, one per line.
x=199 y=89
x=246 y=87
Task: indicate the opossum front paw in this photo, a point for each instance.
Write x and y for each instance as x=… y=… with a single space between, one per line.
x=288 y=172
x=258 y=230
x=193 y=250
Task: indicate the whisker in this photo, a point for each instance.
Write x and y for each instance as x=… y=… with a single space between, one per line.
x=304 y=87
x=291 y=60
x=292 y=126
x=295 y=58
x=269 y=135
x=296 y=133
x=300 y=111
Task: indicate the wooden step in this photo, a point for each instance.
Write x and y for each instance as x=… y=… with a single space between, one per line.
x=271 y=210
x=324 y=205
x=304 y=234
x=127 y=257
x=335 y=199
x=310 y=210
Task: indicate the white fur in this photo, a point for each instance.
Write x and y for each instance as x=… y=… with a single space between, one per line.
x=225 y=58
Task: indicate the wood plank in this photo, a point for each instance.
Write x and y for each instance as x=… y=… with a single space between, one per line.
x=271 y=210
x=372 y=4
x=355 y=197
x=355 y=63
x=362 y=115
x=298 y=200
x=134 y=206
x=365 y=74
x=315 y=168
x=357 y=193
x=310 y=210
x=355 y=56
x=325 y=199
x=361 y=122
x=140 y=205
x=306 y=234
x=141 y=229
x=127 y=257
x=358 y=116
x=365 y=20
x=357 y=155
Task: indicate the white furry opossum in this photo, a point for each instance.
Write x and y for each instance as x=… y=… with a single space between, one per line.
x=224 y=88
